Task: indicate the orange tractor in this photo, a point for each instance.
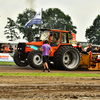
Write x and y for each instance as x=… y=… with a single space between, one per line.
x=63 y=56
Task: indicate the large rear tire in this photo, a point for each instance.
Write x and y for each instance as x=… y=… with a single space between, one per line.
x=67 y=57
x=35 y=59
x=20 y=59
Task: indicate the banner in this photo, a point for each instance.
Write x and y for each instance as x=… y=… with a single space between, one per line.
x=6 y=57
x=35 y=20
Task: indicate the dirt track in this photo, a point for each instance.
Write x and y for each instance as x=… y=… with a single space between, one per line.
x=48 y=88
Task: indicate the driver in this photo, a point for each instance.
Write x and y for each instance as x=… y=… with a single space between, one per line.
x=55 y=39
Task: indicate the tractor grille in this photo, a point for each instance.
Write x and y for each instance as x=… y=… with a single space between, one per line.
x=21 y=47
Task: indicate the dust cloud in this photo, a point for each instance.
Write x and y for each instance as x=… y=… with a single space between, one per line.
x=31 y=3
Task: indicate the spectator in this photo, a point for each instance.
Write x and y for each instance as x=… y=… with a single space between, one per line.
x=15 y=48
x=11 y=49
x=6 y=49
x=4 y=46
x=99 y=49
x=79 y=48
x=95 y=50
x=89 y=49
x=1 y=48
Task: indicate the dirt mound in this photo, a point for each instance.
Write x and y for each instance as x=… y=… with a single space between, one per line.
x=49 y=88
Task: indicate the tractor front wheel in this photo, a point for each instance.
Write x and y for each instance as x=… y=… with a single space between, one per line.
x=20 y=59
x=35 y=59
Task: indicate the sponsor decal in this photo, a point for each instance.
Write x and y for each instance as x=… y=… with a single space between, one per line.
x=3 y=56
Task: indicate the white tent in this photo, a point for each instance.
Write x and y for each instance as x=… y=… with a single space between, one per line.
x=6 y=41
x=21 y=40
x=12 y=42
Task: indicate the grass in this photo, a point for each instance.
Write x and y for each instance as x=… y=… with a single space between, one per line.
x=52 y=74
x=7 y=63
x=47 y=74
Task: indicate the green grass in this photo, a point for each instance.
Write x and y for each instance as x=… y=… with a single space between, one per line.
x=7 y=63
x=52 y=74
x=46 y=74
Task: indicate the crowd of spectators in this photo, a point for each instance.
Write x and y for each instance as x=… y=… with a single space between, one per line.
x=4 y=48
x=96 y=50
x=92 y=49
x=88 y=49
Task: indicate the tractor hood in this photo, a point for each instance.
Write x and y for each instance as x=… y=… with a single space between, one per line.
x=37 y=44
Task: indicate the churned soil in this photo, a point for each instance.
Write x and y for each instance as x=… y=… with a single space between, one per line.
x=48 y=88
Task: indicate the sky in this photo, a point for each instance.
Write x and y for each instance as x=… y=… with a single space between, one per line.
x=82 y=12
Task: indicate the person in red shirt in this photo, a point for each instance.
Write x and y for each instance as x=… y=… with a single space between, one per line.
x=6 y=49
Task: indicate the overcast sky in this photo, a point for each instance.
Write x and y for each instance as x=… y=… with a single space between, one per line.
x=82 y=12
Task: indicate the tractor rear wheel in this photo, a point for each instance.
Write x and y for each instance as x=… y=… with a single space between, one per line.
x=35 y=59
x=67 y=57
x=20 y=59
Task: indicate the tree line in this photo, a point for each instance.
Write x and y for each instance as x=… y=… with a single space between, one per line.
x=52 y=18
x=92 y=33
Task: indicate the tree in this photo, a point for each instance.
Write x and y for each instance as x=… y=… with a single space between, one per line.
x=22 y=19
x=93 y=32
x=10 y=31
x=54 y=18
x=51 y=18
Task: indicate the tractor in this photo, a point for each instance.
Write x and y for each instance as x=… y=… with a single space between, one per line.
x=63 y=56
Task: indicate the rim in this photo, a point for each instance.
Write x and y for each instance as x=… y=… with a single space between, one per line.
x=66 y=58
x=71 y=59
x=37 y=59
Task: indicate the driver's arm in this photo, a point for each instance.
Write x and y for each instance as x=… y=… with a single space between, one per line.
x=50 y=39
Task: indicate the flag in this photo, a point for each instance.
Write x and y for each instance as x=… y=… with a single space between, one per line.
x=35 y=20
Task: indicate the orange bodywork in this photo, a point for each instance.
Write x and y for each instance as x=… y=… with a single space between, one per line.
x=56 y=47
x=37 y=44
x=40 y=43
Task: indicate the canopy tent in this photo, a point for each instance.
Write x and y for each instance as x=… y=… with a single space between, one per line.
x=6 y=41
x=21 y=40
x=12 y=42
